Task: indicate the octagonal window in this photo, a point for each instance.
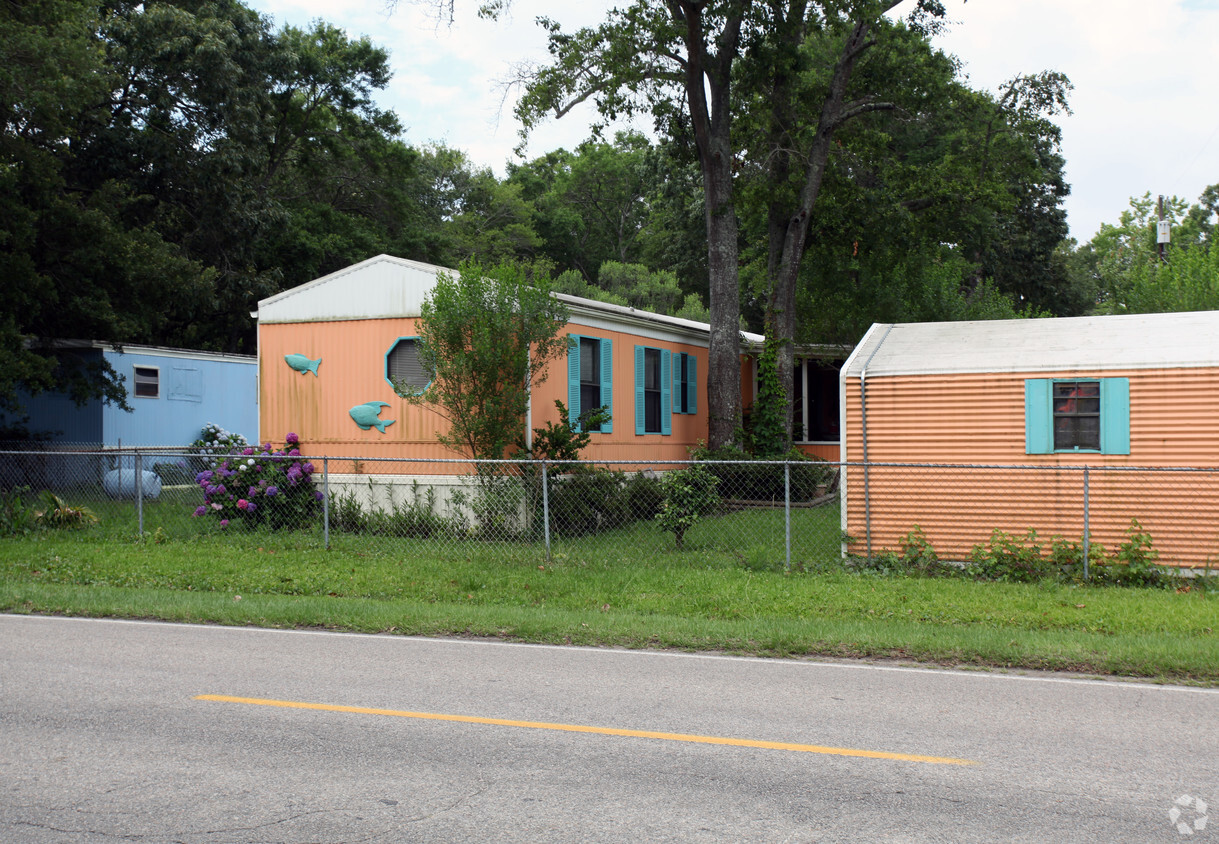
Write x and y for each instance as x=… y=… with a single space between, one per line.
x=403 y=368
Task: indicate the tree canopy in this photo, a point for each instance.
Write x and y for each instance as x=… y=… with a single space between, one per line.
x=486 y=336
x=815 y=167
x=164 y=166
x=1123 y=265
x=766 y=96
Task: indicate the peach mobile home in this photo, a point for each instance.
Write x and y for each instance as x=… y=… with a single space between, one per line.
x=330 y=351
x=1026 y=404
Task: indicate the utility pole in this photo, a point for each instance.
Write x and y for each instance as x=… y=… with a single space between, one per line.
x=1163 y=233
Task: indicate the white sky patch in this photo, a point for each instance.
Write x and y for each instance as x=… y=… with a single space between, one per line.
x=1146 y=103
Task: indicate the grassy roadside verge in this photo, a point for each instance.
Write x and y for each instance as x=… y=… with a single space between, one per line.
x=670 y=600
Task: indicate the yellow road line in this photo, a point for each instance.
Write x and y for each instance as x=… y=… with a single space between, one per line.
x=604 y=731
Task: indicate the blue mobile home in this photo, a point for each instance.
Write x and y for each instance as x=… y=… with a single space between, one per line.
x=173 y=393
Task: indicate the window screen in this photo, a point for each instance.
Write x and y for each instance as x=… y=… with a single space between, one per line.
x=147 y=382
x=590 y=376
x=403 y=367
x=1076 y=415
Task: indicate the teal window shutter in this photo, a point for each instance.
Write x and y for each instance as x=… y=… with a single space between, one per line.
x=607 y=382
x=573 y=380
x=692 y=384
x=639 y=403
x=1038 y=417
x=1115 y=415
x=666 y=391
x=677 y=371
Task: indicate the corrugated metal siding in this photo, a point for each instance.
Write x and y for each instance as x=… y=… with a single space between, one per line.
x=622 y=443
x=822 y=451
x=976 y=418
x=352 y=372
x=191 y=393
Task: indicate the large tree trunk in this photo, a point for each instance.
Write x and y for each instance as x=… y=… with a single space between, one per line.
x=724 y=363
x=708 y=89
x=789 y=226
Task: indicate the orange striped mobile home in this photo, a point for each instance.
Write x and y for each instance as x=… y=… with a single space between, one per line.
x=1011 y=412
x=329 y=349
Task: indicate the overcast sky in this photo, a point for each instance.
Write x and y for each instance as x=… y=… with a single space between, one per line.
x=1146 y=99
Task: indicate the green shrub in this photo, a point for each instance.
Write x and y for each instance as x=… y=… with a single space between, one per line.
x=689 y=494
x=588 y=500
x=742 y=476
x=1133 y=563
x=643 y=496
x=919 y=557
x=1066 y=557
x=16 y=516
x=1007 y=557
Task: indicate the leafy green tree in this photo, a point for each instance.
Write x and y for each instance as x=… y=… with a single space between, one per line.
x=475 y=215
x=693 y=63
x=77 y=261
x=1123 y=260
x=487 y=335
x=592 y=205
x=919 y=202
x=165 y=165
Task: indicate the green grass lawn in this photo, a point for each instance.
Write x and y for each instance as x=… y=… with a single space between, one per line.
x=727 y=591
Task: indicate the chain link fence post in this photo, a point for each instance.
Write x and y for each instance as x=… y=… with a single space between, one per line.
x=139 y=491
x=1087 y=538
x=546 y=509
x=787 y=516
x=326 y=502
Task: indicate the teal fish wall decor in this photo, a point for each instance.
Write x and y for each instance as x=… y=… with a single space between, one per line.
x=366 y=415
x=302 y=364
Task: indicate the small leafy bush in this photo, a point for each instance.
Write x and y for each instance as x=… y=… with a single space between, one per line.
x=919 y=557
x=643 y=496
x=689 y=494
x=56 y=513
x=16 y=515
x=261 y=487
x=588 y=500
x=1133 y=563
x=1067 y=557
x=1010 y=558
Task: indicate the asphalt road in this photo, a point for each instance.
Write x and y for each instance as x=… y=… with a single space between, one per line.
x=145 y=732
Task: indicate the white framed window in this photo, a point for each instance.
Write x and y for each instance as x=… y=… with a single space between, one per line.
x=146 y=382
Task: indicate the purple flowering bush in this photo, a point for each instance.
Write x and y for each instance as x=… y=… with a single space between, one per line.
x=261 y=486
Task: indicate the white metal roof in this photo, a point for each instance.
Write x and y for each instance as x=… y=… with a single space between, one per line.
x=158 y=351
x=1127 y=341
x=382 y=286
x=387 y=287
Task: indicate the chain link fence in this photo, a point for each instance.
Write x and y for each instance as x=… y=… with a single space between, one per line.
x=766 y=515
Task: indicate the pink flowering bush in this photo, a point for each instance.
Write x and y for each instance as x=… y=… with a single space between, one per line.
x=261 y=486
